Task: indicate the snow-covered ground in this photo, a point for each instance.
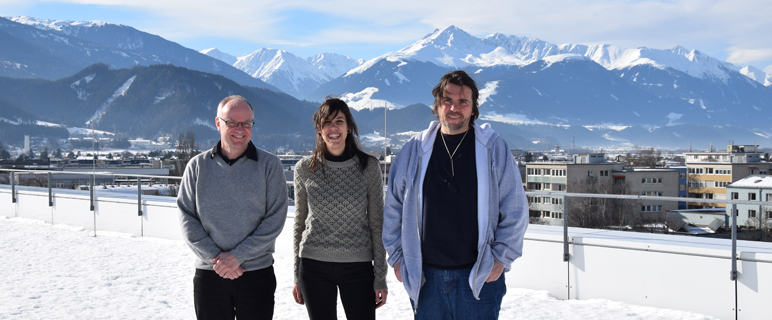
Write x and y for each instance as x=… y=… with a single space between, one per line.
x=63 y=272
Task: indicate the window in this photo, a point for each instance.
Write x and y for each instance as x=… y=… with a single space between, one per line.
x=558 y=187
x=546 y=186
x=721 y=184
x=546 y=200
x=709 y=170
x=682 y=175
x=751 y=213
x=604 y=173
x=768 y=214
x=735 y=195
x=656 y=208
x=751 y=196
x=590 y=173
x=682 y=187
x=546 y=172
x=557 y=201
x=708 y=196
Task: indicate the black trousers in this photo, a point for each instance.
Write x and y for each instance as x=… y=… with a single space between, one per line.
x=250 y=296
x=320 y=281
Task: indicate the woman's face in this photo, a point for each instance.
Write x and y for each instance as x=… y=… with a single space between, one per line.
x=334 y=132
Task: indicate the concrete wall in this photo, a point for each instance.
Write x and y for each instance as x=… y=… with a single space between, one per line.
x=663 y=271
x=113 y=213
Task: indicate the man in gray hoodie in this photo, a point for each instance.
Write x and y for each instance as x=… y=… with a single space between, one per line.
x=455 y=212
x=233 y=204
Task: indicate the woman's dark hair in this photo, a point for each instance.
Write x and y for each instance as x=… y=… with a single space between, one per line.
x=331 y=107
x=461 y=79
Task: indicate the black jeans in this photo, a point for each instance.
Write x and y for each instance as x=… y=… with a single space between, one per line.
x=250 y=296
x=320 y=281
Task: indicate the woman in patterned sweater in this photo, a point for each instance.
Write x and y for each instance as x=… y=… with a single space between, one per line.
x=339 y=221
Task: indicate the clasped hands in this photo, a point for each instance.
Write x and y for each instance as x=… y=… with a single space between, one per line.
x=226 y=266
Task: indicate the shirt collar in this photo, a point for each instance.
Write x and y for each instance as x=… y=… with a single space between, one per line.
x=250 y=153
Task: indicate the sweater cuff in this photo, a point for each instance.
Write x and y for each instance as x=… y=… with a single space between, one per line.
x=380 y=284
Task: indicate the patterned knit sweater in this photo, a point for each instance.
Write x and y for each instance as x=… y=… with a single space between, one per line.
x=339 y=215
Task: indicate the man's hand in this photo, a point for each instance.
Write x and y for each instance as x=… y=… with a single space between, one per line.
x=226 y=266
x=398 y=271
x=297 y=294
x=495 y=272
x=380 y=297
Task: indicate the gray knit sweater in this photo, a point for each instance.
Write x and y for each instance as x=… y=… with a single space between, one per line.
x=239 y=209
x=339 y=215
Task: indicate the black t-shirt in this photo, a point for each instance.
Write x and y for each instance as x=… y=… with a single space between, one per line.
x=450 y=204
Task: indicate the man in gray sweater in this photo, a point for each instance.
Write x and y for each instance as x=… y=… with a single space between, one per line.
x=233 y=204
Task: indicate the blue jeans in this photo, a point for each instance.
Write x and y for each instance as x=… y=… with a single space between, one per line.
x=446 y=294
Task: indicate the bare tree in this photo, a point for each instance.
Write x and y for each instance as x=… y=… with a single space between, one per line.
x=762 y=224
x=602 y=213
x=642 y=157
x=186 y=150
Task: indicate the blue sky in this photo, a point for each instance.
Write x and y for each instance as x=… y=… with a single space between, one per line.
x=736 y=31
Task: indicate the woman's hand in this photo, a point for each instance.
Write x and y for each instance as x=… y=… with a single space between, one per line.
x=380 y=297
x=299 y=296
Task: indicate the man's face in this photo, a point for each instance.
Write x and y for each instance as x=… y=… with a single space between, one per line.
x=234 y=139
x=455 y=109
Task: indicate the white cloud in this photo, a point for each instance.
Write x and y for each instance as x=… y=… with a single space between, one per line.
x=742 y=56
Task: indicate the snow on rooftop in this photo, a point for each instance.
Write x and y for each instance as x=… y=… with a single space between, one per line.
x=755 y=181
x=63 y=272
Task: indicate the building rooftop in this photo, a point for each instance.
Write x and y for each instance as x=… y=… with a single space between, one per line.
x=754 y=181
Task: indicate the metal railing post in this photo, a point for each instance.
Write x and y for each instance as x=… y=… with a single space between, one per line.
x=50 y=193
x=566 y=255
x=733 y=275
x=565 y=231
x=91 y=183
x=139 y=196
x=13 y=187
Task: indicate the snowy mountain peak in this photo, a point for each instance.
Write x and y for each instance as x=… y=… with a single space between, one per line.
x=757 y=75
x=332 y=64
x=219 y=55
x=58 y=25
x=284 y=70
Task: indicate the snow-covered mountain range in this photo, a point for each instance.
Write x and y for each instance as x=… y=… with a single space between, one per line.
x=52 y=49
x=288 y=72
x=536 y=93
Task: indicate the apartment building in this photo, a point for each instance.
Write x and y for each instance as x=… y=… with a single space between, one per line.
x=751 y=188
x=573 y=175
x=709 y=173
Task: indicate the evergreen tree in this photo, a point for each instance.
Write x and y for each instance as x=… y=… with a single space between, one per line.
x=4 y=154
x=58 y=153
x=44 y=155
x=31 y=154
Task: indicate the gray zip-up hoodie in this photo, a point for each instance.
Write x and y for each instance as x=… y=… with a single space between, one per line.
x=502 y=210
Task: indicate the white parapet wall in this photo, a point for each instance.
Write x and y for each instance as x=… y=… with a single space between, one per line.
x=663 y=271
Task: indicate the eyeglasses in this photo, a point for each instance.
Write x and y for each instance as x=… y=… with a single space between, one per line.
x=232 y=124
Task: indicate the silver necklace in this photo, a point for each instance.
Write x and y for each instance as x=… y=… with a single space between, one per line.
x=452 y=168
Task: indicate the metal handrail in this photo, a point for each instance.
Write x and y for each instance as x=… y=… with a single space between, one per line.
x=566 y=256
